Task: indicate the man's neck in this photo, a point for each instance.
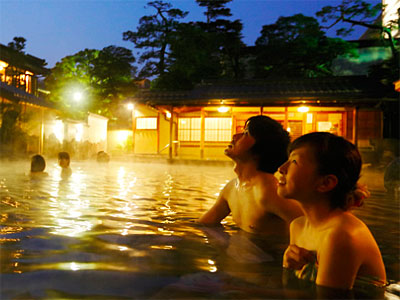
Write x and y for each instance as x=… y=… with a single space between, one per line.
x=246 y=170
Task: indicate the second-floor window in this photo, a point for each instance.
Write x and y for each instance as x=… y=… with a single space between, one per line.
x=17 y=77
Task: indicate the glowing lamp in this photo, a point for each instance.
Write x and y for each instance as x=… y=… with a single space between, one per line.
x=303 y=109
x=223 y=109
x=168 y=114
x=77 y=96
x=131 y=106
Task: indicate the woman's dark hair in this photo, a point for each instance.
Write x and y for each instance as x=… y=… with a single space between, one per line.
x=337 y=156
x=38 y=163
x=271 y=143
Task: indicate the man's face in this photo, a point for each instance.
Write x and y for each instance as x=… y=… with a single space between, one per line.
x=240 y=145
x=63 y=162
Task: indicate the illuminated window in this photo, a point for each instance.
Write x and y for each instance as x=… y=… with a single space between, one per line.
x=218 y=129
x=146 y=123
x=189 y=129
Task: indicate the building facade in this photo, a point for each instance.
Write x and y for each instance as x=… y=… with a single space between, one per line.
x=23 y=111
x=198 y=124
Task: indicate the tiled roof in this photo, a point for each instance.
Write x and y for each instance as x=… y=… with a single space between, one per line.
x=272 y=92
x=23 y=61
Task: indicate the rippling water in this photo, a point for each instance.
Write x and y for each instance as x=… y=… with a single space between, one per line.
x=128 y=230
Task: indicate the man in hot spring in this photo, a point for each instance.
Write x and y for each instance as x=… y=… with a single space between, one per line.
x=252 y=197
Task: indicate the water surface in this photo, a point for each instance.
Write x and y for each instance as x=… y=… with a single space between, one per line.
x=128 y=230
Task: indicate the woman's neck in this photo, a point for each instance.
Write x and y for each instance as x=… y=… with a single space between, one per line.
x=319 y=211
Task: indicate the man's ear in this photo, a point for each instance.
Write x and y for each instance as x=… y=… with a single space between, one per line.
x=328 y=183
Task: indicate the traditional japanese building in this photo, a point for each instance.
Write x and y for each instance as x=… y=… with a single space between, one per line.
x=199 y=123
x=23 y=110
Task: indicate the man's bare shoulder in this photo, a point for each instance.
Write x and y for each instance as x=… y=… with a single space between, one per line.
x=299 y=222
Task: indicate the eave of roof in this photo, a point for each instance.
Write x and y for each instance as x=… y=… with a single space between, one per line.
x=322 y=91
x=14 y=94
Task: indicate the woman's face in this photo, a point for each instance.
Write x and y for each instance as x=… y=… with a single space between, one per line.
x=298 y=177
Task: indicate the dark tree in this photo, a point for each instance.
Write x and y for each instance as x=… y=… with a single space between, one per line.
x=215 y=8
x=18 y=44
x=296 y=47
x=357 y=13
x=103 y=77
x=194 y=58
x=226 y=34
x=154 y=35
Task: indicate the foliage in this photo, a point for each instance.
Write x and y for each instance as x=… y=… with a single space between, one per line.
x=103 y=77
x=200 y=50
x=358 y=13
x=215 y=9
x=18 y=43
x=227 y=36
x=296 y=47
x=13 y=140
x=353 y=12
x=154 y=34
x=193 y=56
x=361 y=13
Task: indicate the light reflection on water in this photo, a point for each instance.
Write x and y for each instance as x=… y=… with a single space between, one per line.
x=130 y=228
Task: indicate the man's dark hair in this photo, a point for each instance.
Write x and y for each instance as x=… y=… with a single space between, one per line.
x=63 y=155
x=271 y=144
x=38 y=163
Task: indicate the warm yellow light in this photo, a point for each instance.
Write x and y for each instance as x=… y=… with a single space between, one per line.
x=122 y=136
x=131 y=106
x=223 y=109
x=77 y=96
x=303 y=109
x=3 y=65
x=168 y=114
x=79 y=132
x=58 y=130
x=288 y=129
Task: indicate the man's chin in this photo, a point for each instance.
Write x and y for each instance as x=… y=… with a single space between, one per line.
x=228 y=152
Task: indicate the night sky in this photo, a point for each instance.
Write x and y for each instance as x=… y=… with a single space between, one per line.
x=57 y=28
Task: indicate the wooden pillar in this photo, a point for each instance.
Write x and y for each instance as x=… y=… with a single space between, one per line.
x=202 y=133
x=304 y=123
x=133 y=129
x=158 y=131
x=41 y=133
x=171 y=131
x=286 y=122
x=355 y=126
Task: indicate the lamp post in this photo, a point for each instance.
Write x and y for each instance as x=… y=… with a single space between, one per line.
x=131 y=107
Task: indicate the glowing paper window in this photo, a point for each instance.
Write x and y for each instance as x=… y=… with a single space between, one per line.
x=146 y=123
x=189 y=129
x=218 y=129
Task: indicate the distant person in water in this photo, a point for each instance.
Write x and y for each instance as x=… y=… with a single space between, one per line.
x=252 y=197
x=38 y=164
x=328 y=245
x=103 y=157
x=64 y=161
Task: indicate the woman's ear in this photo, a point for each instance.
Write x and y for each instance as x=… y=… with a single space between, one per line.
x=327 y=184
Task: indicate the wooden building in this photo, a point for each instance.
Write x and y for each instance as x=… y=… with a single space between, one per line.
x=22 y=109
x=199 y=123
